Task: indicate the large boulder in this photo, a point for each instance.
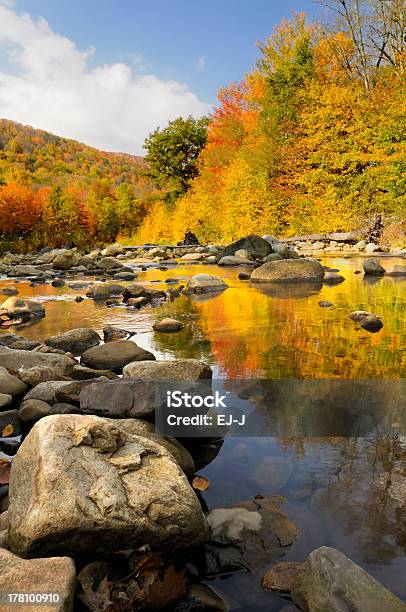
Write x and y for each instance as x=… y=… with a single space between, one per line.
x=53 y=575
x=254 y=245
x=75 y=340
x=18 y=361
x=190 y=370
x=114 y=355
x=206 y=282
x=373 y=267
x=289 y=270
x=24 y=309
x=121 y=398
x=81 y=484
x=65 y=260
x=330 y=582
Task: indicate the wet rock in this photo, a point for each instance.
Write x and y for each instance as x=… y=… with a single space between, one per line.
x=52 y=575
x=79 y=298
x=397 y=270
x=102 y=291
x=331 y=278
x=289 y=270
x=244 y=275
x=83 y=373
x=330 y=582
x=325 y=304
x=358 y=315
x=200 y=598
x=254 y=245
x=373 y=267
x=156 y=252
x=134 y=291
x=108 y=263
x=75 y=340
x=46 y=391
x=124 y=276
x=5 y=399
x=32 y=410
x=66 y=260
x=233 y=260
x=168 y=325
x=280 y=577
x=206 y=282
x=25 y=345
x=114 y=355
x=372 y=323
x=11 y=385
x=58 y=282
x=247 y=535
x=178 y=369
x=24 y=309
x=115 y=333
x=137 y=302
x=9 y=291
x=99 y=489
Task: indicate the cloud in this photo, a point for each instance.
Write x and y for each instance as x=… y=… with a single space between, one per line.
x=49 y=84
x=201 y=63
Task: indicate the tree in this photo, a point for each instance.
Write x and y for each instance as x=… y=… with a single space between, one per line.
x=172 y=152
x=20 y=209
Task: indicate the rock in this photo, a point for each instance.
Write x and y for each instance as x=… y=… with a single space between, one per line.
x=289 y=270
x=103 y=291
x=69 y=393
x=99 y=489
x=112 y=250
x=25 y=345
x=5 y=399
x=331 y=278
x=156 y=252
x=371 y=323
x=9 y=384
x=325 y=304
x=9 y=291
x=373 y=267
x=108 y=263
x=272 y=257
x=24 y=309
x=137 y=302
x=134 y=291
x=244 y=276
x=190 y=370
x=168 y=325
x=318 y=246
x=254 y=245
x=38 y=374
x=280 y=577
x=330 y=582
x=64 y=408
x=192 y=257
x=115 y=333
x=397 y=270
x=9 y=423
x=243 y=254
x=247 y=535
x=114 y=355
x=360 y=245
x=206 y=282
x=52 y=575
x=66 y=260
x=121 y=398
x=59 y=282
x=124 y=276
x=200 y=598
x=372 y=248
x=8 y=339
x=47 y=391
x=358 y=315
x=75 y=340
x=83 y=373
x=33 y=410
x=23 y=270
x=233 y=260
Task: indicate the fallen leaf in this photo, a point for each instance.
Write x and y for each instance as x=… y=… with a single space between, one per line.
x=200 y=483
x=7 y=430
x=4 y=472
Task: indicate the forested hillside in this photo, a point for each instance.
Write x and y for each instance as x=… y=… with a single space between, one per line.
x=55 y=191
x=312 y=139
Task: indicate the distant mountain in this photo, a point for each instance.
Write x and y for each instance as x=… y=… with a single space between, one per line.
x=41 y=158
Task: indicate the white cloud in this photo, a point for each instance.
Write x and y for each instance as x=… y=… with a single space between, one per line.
x=201 y=63
x=50 y=85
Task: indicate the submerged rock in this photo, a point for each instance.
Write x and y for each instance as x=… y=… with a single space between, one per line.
x=75 y=340
x=289 y=270
x=367 y=320
x=114 y=355
x=200 y=598
x=373 y=267
x=330 y=582
x=52 y=575
x=80 y=485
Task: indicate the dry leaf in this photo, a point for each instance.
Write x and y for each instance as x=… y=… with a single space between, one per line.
x=200 y=483
x=4 y=472
x=7 y=430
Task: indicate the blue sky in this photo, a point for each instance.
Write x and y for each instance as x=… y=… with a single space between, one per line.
x=99 y=62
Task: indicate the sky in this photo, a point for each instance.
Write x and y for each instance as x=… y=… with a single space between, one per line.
x=108 y=72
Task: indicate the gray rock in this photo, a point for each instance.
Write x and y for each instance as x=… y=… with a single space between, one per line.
x=200 y=598
x=11 y=385
x=46 y=391
x=8 y=338
x=80 y=484
x=232 y=260
x=289 y=270
x=120 y=398
x=24 y=309
x=64 y=408
x=115 y=333
x=52 y=575
x=108 y=263
x=25 y=345
x=331 y=278
x=272 y=257
x=83 y=373
x=70 y=392
x=124 y=276
x=206 y=282
x=5 y=399
x=373 y=267
x=9 y=423
x=114 y=355
x=372 y=323
x=23 y=270
x=38 y=374
x=66 y=260
x=103 y=291
x=330 y=582
x=168 y=325
x=254 y=245
x=75 y=340
x=32 y=410
x=325 y=304
x=190 y=370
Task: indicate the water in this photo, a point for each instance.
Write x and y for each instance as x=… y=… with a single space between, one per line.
x=342 y=489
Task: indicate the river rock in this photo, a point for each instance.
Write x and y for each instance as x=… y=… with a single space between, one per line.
x=372 y=248
x=330 y=582
x=190 y=370
x=121 y=398
x=24 y=309
x=33 y=410
x=233 y=260
x=272 y=257
x=9 y=384
x=47 y=391
x=75 y=340
x=108 y=263
x=66 y=260
x=38 y=374
x=254 y=245
x=168 y=325
x=114 y=355
x=331 y=278
x=5 y=399
x=115 y=333
x=192 y=257
x=83 y=373
x=25 y=344
x=23 y=270
x=200 y=598
x=373 y=267
x=9 y=338
x=103 y=291
x=124 y=276
x=112 y=250
x=372 y=323
x=247 y=535
x=280 y=577
x=397 y=270
x=81 y=484
x=289 y=270
x=52 y=575
x=70 y=392
x=134 y=290
x=206 y=282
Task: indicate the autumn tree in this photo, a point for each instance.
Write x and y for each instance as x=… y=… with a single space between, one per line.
x=20 y=210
